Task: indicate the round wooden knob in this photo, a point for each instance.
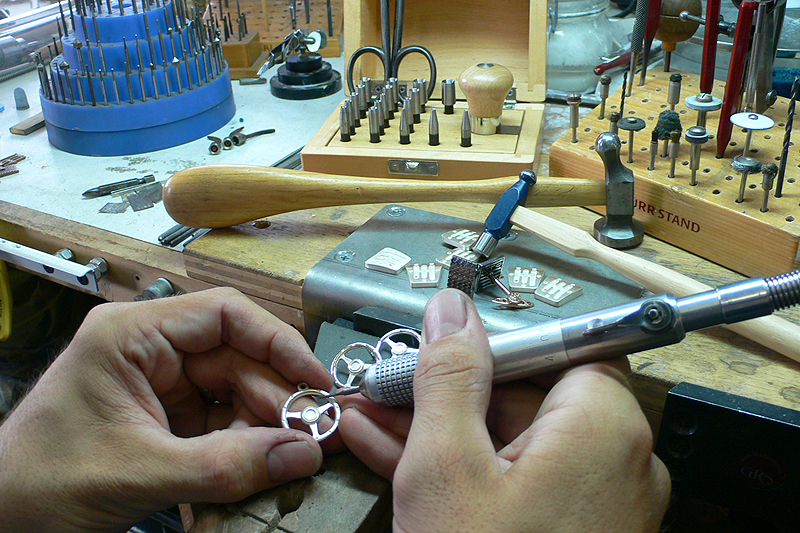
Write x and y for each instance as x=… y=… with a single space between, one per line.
x=485 y=85
x=671 y=29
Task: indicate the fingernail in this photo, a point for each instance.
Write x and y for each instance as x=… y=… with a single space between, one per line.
x=445 y=314
x=292 y=460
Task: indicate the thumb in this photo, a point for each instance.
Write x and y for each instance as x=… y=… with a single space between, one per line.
x=231 y=464
x=453 y=379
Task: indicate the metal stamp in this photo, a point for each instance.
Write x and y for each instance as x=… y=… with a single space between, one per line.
x=424 y=275
x=388 y=260
x=447 y=257
x=556 y=291
x=525 y=279
x=460 y=238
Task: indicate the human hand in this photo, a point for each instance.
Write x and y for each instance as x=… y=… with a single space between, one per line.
x=584 y=463
x=118 y=428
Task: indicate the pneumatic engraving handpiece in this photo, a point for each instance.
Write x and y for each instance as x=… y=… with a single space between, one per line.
x=604 y=334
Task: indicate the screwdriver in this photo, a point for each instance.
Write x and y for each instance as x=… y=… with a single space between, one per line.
x=109 y=188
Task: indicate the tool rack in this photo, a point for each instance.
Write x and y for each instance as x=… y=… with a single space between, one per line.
x=131 y=81
x=704 y=219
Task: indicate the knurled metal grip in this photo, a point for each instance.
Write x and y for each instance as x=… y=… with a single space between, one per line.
x=391 y=381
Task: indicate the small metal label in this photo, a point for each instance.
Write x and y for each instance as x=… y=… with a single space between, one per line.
x=388 y=260
x=556 y=291
x=413 y=168
x=424 y=274
x=460 y=238
x=524 y=279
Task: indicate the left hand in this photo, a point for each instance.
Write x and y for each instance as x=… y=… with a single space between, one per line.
x=118 y=427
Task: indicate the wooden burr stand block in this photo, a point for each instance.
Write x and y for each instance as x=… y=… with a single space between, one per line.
x=704 y=219
x=245 y=56
x=490 y=156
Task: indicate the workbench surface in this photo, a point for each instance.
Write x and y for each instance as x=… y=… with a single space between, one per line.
x=42 y=207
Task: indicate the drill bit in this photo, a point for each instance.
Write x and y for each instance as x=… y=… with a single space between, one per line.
x=91 y=87
x=674 y=93
x=176 y=65
x=574 y=101
x=163 y=48
x=99 y=44
x=769 y=170
x=605 y=82
x=78 y=44
x=622 y=96
x=80 y=86
x=674 y=150
x=746 y=166
x=155 y=83
x=141 y=76
x=149 y=39
x=103 y=88
x=433 y=128
x=696 y=136
x=613 y=119
x=787 y=137
x=116 y=86
x=631 y=125
x=653 y=149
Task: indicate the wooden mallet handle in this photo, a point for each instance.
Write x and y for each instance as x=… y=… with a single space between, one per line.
x=216 y=196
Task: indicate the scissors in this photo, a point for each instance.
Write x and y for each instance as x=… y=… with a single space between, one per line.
x=392 y=57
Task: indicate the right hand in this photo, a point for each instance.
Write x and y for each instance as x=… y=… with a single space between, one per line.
x=585 y=463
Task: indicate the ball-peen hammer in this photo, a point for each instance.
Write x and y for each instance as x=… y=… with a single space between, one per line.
x=770 y=331
x=216 y=196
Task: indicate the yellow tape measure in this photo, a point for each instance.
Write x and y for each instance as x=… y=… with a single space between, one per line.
x=5 y=302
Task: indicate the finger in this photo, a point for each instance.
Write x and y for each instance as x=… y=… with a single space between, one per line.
x=231 y=464
x=512 y=409
x=200 y=321
x=394 y=419
x=452 y=382
x=376 y=446
x=260 y=387
x=572 y=418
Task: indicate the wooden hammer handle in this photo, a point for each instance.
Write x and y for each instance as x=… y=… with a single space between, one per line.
x=216 y=196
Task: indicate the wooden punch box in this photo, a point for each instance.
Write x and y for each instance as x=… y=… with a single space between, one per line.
x=459 y=35
x=705 y=218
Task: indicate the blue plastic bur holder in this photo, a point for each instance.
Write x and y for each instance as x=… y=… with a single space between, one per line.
x=129 y=82
x=127 y=128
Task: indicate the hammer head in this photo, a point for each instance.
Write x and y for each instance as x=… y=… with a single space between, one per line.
x=470 y=277
x=498 y=223
x=618 y=229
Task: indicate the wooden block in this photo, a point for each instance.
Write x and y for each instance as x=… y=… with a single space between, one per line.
x=278 y=23
x=704 y=219
x=243 y=53
x=489 y=156
x=29 y=125
x=459 y=35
